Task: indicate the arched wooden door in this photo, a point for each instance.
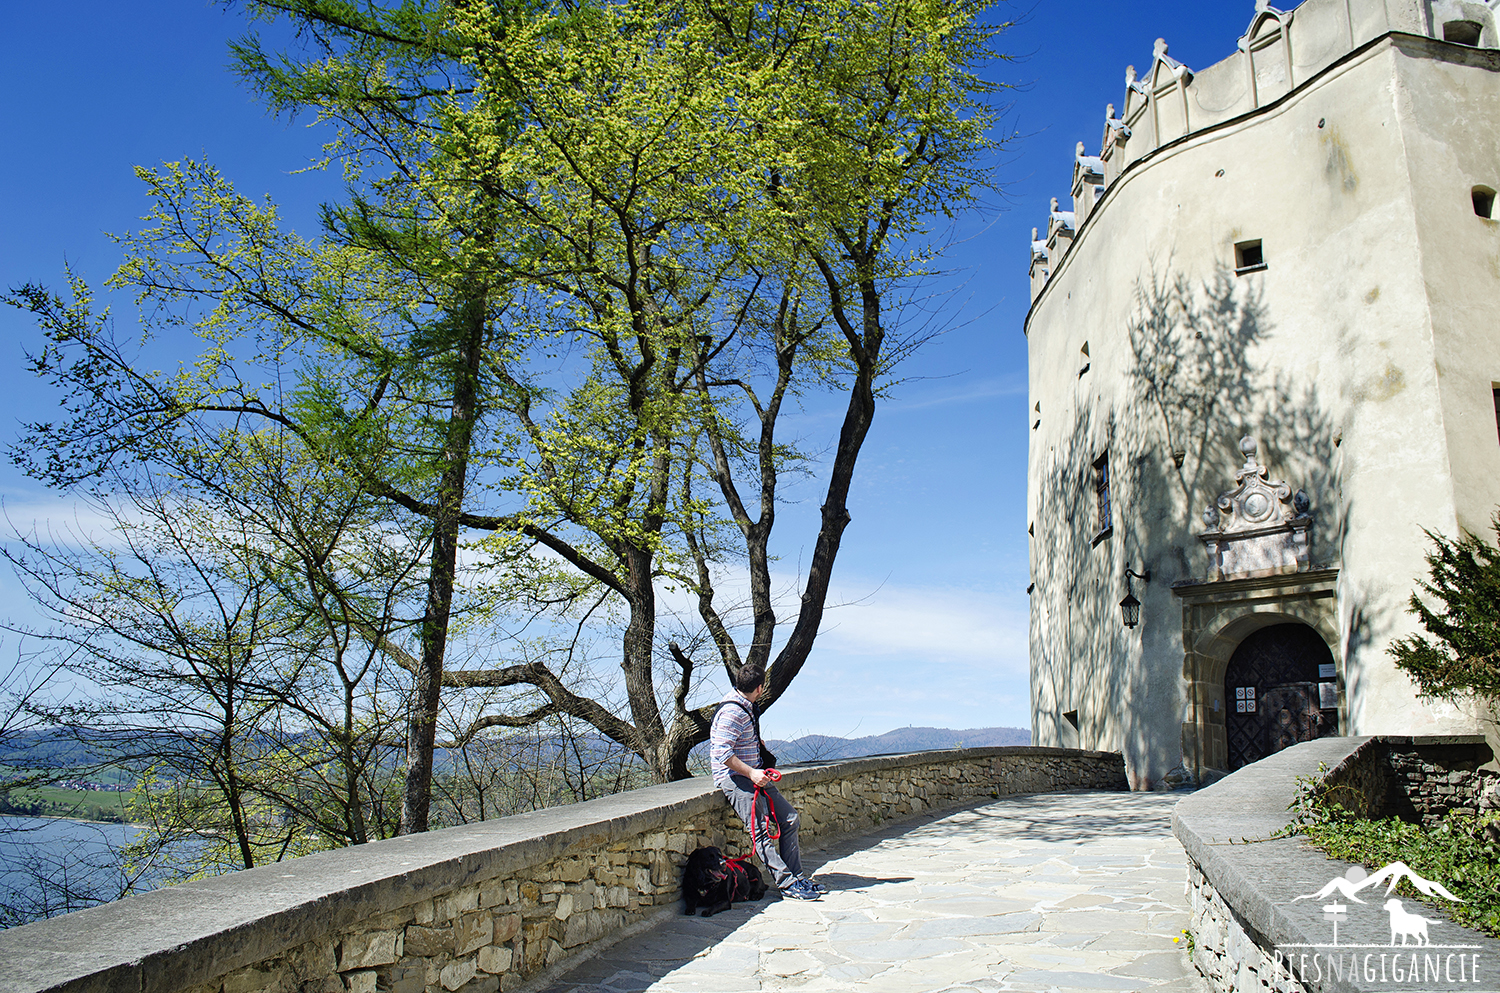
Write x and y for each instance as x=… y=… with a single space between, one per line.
x=1280 y=689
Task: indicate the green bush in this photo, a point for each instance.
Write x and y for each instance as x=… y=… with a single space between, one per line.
x=1462 y=658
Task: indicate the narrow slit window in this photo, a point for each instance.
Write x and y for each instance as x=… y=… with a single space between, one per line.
x=1101 y=490
x=1484 y=202
x=1463 y=32
x=1249 y=257
x=1083 y=359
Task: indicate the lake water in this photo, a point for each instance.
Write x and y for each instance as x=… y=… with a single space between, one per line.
x=51 y=865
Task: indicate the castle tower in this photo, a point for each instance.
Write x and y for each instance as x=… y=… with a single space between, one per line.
x=1264 y=354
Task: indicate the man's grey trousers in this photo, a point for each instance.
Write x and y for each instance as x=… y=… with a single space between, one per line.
x=783 y=857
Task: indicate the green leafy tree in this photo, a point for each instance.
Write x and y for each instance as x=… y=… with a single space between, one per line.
x=229 y=636
x=590 y=253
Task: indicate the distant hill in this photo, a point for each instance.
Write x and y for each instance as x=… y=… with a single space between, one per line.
x=910 y=739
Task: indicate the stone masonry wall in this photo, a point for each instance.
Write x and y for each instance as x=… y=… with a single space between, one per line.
x=1224 y=951
x=485 y=920
x=1419 y=779
x=1431 y=777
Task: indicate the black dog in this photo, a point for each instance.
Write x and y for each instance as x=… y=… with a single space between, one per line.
x=712 y=882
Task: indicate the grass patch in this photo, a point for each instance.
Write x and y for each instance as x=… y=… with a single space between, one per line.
x=1462 y=851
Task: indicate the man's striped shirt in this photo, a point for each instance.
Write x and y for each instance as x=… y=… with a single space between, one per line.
x=732 y=733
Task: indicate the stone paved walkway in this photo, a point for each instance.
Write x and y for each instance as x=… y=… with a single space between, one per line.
x=1042 y=893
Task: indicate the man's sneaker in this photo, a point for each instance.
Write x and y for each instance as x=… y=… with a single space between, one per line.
x=815 y=884
x=800 y=889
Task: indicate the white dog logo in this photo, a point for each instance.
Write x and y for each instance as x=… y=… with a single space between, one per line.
x=1405 y=924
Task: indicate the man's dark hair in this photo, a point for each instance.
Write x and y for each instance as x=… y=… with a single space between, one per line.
x=749 y=677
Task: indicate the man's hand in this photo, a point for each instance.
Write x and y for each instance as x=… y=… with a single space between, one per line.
x=739 y=767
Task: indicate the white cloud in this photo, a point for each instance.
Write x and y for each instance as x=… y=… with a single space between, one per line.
x=967 y=391
x=941 y=624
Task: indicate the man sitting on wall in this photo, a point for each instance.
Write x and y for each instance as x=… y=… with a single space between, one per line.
x=734 y=755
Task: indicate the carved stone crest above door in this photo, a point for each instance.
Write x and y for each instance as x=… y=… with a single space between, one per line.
x=1259 y=528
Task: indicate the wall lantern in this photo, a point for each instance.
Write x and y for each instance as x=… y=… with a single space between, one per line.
x=1130 y=606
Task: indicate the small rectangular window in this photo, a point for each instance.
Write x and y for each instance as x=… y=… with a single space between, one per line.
x=1484 y=201
x=1248 y=257
x=1463 y=32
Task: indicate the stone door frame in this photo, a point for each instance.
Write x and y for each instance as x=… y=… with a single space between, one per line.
x=1216 y=617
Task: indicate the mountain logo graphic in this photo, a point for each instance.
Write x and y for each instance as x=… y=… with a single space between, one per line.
x=1411 y=957
x=1357 y=880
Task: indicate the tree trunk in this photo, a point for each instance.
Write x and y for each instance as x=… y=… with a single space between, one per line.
x=426 y=693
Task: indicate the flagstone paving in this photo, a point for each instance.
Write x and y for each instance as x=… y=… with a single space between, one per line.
x=1042 y=893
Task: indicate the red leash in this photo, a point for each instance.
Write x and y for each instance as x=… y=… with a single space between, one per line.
x=735 y=877
x=773 y=827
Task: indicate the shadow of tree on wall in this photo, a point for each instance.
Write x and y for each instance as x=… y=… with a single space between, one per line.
x=1198 y=383
x=1202 y=365
x=1365 y=626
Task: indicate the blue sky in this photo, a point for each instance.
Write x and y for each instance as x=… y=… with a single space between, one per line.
x=933 y=569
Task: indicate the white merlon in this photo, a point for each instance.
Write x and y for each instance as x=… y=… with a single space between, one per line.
x=1038 y=248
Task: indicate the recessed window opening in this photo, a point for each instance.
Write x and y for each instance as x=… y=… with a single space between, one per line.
x=1072 y=718
x=1484 y=202
x=1463 y=32
x=1101 y=490
x=1497 y=408
x=1084 y=359
x=1248 y=257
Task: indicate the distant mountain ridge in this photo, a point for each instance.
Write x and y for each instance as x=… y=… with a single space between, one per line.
x=909 y=739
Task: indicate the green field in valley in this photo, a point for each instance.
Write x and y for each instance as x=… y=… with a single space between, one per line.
x=57 y=801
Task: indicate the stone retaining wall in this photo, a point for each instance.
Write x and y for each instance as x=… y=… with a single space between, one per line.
x=487 y=907
x=1416 y=779
x=1244 y=886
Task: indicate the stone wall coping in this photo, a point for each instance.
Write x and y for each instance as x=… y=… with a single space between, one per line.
x=1226 y=829
x=181 y=935
x=1433 y=739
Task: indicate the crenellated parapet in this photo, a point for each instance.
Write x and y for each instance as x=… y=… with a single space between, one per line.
x=1279 y=51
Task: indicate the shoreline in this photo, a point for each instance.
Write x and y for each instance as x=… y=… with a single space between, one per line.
x=76 y=820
